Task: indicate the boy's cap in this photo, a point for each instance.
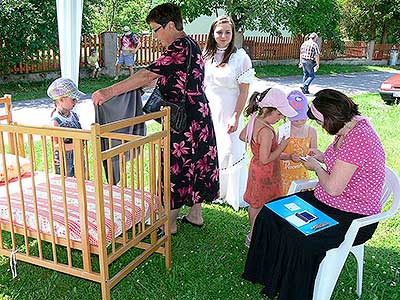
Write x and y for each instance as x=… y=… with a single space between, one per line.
x=126 y=29
x=63 y=87
x=299 y=102
x=277 y=98
x=313 y=35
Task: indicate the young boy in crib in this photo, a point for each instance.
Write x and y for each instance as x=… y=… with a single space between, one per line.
x=65 y=95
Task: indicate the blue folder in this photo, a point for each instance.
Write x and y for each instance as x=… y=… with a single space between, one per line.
x=289 y=206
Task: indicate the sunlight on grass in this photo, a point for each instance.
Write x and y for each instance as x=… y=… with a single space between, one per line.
x=208 y=262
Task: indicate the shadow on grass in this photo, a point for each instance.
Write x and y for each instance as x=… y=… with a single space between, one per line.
x=207 y=264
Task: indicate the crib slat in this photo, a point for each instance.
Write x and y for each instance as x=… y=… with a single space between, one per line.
x=152 y=189
x=132 y=187
x=82 y=199
x=122 y=172
x=21 y=193
x=141 y=155
x=64 y=196
x=111 y=197
x=49 y=201
x=35 y=206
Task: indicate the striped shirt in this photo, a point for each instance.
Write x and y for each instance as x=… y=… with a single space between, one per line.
x=309 y=49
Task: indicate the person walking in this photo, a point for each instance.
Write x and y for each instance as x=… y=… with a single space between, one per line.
x=128 y=46
x=309 y=61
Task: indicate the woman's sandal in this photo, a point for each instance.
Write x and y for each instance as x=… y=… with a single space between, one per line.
x=186 y=221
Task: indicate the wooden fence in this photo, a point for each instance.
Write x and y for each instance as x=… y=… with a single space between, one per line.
x=260 y=48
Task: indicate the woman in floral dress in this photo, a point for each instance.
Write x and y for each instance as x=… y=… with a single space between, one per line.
x=194 y=162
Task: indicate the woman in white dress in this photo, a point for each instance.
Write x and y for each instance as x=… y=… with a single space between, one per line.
x=228 y=74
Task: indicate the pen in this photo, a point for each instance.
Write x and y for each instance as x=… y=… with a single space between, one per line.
x=319 y=226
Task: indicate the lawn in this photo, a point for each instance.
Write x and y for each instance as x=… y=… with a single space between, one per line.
x=208 y=262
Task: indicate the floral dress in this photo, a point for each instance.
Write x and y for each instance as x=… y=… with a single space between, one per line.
x=194 y=161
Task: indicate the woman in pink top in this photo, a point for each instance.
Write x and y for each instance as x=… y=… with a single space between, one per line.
x=351 y=174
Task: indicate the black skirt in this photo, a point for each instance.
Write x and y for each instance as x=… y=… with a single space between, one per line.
x=286 y=261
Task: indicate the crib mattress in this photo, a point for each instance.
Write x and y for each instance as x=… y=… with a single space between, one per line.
x=57 y=207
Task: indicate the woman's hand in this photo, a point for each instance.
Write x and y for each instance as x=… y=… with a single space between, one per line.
x=232 y=124
x=101 y=96
x=318 y=155
x=311 y=163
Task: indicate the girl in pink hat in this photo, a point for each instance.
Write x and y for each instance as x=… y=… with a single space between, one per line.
x=264 y=180
x=301 y=136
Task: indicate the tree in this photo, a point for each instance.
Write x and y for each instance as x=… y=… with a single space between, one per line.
x=306 y=16
x=371 y=19
x=247 y=14
x=113 y=15
x=28 y=26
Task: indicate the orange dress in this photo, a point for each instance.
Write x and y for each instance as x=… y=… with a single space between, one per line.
x=264 y=182
x=291 y=170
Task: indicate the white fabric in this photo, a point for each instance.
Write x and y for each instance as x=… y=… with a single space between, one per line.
x=222 y=91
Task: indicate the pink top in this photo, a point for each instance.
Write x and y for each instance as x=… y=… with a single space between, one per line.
x=361 y=147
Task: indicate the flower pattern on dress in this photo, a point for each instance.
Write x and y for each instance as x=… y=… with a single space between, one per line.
x=193 y=159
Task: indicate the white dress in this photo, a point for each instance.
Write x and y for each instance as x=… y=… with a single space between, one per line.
x=222 y=91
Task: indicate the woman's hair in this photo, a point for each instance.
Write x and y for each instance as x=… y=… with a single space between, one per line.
x=211 y=45
x=336 y=107
x=253 y=104
x=164 y=13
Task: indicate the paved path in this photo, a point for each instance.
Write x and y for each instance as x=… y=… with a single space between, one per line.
x=37 y=111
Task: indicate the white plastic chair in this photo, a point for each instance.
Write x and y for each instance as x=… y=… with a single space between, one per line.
x=331 y=266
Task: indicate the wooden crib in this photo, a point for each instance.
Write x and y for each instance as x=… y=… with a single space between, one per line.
x=46 y=219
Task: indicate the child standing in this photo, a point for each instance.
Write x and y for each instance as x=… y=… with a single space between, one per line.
x=93 y=61
x=65 y=95
x=264 y=180
x=302 y=137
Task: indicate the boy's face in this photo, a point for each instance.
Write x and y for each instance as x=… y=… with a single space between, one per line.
x=68 y=102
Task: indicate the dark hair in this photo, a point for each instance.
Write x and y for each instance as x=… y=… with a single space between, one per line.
x=164 y=13
x=253 y=104
x=336 y=107
x=211 y=45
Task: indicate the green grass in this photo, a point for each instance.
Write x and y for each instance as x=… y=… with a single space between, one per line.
x=208 y=262
x=289 y=70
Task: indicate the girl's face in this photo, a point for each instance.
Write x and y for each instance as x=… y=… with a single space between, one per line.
x=67 y=103
x=223 y=34
x=273 y=117
x=298 y=123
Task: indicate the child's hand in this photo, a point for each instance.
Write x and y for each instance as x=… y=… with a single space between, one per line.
x=284 y=142
x=314 y=152
x=311 y=163
x=295 y=157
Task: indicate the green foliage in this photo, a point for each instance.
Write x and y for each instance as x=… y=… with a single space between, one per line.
x=371 y=19
x=306 y=16
x=113 y=15
x=26 y=27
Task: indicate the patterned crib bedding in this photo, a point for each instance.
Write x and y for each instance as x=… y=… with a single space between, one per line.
x=72 y=207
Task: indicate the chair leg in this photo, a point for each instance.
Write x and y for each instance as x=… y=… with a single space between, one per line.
x=328 y=273
x=358 y=252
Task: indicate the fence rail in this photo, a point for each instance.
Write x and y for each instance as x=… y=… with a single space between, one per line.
x=260 y=48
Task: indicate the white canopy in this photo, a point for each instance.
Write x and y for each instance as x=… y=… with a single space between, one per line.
x=69 y=17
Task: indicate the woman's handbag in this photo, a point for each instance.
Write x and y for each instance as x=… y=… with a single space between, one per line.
x=178 y=111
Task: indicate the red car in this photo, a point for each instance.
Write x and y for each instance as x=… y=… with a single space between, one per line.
x=390 y=90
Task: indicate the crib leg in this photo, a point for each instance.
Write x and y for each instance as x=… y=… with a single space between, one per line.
x=105 y=291
x=167 y=251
